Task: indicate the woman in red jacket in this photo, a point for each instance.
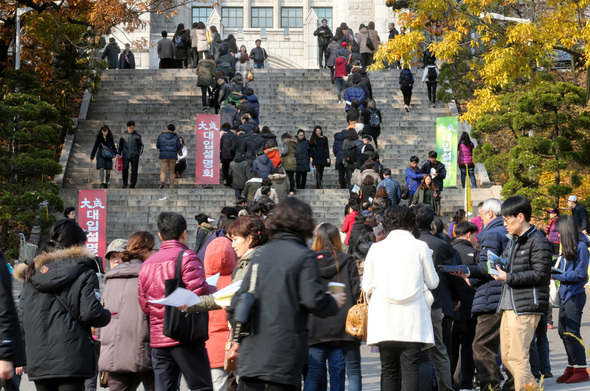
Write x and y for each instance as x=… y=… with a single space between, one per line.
x=352 y=212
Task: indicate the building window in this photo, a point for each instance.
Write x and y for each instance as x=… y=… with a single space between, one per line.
x=261 y=17
x=201 y=14
x=324 y=13
x=232 y=17
x=292 y=17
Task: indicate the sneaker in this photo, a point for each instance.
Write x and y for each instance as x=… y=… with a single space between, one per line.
x=550 y=327
x=407 y=108
x=434 y=106
x=547 y=375
x=124 y=186
x=291 y=193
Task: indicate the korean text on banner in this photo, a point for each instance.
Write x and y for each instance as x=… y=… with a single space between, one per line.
x=92 y=218
x=446 y=147
x=207 y=149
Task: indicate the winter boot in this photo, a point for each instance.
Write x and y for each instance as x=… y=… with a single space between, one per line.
x=569 y=371
x=580 y=375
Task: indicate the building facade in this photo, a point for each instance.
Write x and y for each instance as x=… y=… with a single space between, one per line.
x=285 y=26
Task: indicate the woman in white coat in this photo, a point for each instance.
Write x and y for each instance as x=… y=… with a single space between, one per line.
x=398 y=275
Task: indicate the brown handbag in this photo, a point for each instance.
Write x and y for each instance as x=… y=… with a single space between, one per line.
x=103 y=379
x=230 y=361
x=357 y=318
x=250 y=76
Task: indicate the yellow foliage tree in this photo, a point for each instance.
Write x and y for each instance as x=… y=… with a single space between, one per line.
x=516 y=39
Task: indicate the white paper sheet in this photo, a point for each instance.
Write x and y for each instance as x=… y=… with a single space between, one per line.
x=179 y=298
x=213 y=279
x=224 y=296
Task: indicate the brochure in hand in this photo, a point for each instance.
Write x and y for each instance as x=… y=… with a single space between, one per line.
x=494 y=260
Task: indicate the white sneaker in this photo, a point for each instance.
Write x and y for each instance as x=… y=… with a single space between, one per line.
x=407 y=108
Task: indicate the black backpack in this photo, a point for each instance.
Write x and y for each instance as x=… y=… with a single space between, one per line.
x=431 y=75
x=350 y=154
x=374 y=120
x=405 y=79
x=178 y=41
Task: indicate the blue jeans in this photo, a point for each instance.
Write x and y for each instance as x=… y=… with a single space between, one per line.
x=238 y=193
x=471 y=169
x=341 y=85
x=352 y=360
x=258 y=65
x=539 y=355
x=570 y=319
x=316 y=379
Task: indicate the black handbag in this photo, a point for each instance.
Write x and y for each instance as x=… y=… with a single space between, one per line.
x=406 y=191
x=180 y=326
x=369 y=43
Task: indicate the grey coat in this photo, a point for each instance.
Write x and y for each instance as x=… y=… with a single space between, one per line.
x=125 y=341
x=165 y=48
x=331 y=52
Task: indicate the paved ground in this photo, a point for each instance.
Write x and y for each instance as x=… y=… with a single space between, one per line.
x=371 y=364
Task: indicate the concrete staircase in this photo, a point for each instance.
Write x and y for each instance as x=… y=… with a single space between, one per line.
x=289 y=100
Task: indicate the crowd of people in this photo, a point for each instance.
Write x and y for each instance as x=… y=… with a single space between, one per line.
x=440 y=314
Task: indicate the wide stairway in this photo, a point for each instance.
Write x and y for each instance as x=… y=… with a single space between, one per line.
x=289 y=100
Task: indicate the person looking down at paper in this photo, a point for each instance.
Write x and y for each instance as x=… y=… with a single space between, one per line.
x=170 y=357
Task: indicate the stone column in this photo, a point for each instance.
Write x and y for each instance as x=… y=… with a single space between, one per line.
x=247 y=18
x=276 y=14
x=310 y=48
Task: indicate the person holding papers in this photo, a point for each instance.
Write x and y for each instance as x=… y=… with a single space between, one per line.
x=170 y=357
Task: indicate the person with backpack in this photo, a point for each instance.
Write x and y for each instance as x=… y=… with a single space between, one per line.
x=182 y=44
x=204 y=229
x=258 y=55
x=352 y=151
x=372 y=119
x=331 y=54
x=220 y=93
x=430 y=77
x=406 y=83
x=226 y=61
x=289 y=159
x=354 y=93
x=111 y=53
x=206 y=78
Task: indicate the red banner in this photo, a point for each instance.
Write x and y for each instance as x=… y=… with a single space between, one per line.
x=207 y=149
x=92 y=218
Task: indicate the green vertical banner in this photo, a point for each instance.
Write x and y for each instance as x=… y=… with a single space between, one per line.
x=446 y=147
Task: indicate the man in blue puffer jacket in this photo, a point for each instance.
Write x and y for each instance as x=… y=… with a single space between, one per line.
x=413 y=176
x=487 y=296
x=168 y=143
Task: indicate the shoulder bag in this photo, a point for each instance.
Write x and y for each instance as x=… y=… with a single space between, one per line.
x=357 y=318
x=242 y=328
x=107 y=153
x=406 y=191
x=180 y=326
x=369 y=42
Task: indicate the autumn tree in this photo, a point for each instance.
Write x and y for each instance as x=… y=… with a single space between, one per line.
x=533 y=137
x=516 y=39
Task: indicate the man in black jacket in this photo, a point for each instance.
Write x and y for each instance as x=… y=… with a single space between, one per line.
x=579 y=213
x=525 y=294
x=130 y=148
x=464 y=324
x=12 y=351
x=324 y=35
x=442 y=307
x=436 y=169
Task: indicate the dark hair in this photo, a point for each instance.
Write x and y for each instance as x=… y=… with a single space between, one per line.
x=369 y=164
x=432 y=154
x=201 y=218
x=265 y=129
x=258 y=40
x=210 y=57
x=301 y=131
x=515 y=205
x=424 y=215
x=250 y=225
x=285 y=136
x=371 y=25
x=465 y=227
x=414 y=159
x=130 y=123
x=324 y=20
x=171 y=127
x=387 y=171
x=465 y=139
x=68 y=210
x=368 y=180
x=195 y=24
x=265 y=190
x=180 y=27
x=109 y=134
x=226 y=125
x=438 y=224
x=249 y=91
x=356 y=78
x=398 y=217
x=352 y=135
x=201 y=26
x=352 y=116
x=266 y=181
x=171 y=225
x=459 y=215
x=327 y=237
x=270 y=144
x=65 y=233
x=367 y=137
x=313 y=140
x=164 y=35
x=569 y=237
x=139 y=245
x=241 y=200
x=292 y=215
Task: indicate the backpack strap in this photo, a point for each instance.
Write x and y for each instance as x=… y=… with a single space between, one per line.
x=178 y=273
